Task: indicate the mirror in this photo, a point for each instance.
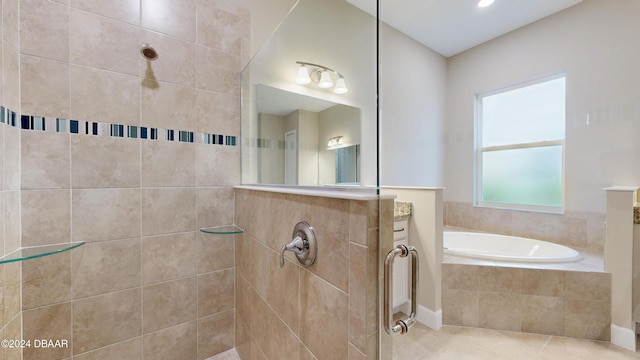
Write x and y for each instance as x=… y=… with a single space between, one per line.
x=304 y=140
x=304 y=134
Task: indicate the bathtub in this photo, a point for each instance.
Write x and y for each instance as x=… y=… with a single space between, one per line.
x=506 y=248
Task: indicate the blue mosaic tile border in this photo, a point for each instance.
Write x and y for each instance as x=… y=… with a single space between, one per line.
x=59 y=125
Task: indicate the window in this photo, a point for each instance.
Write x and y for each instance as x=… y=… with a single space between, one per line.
x=520 y=146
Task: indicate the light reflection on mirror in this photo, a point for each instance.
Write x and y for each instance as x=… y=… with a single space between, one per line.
x=294 y=133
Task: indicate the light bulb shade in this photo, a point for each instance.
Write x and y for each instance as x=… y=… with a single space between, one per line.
x=485 y=3
x=303 y=75
x=335 y=141
x=325 y=80
x=341 y=87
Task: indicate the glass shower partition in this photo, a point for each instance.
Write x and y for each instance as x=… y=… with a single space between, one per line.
x=310 y=129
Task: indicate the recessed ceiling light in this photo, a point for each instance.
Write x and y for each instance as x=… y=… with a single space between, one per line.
x=485 y=3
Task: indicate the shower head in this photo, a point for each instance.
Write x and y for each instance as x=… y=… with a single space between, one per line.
x=148 y=52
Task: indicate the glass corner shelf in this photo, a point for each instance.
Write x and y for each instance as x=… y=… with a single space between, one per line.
x=27 y=253
x=222 y=230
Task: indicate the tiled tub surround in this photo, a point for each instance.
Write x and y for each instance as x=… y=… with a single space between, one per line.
x=572 y=299
x=581 y=231
x=553 y=302
x=147 y=284
x=327 y=311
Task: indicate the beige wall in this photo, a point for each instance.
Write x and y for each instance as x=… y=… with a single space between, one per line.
x=412 y=98
x=326 y=311
x=147 y=282
x=593 y=42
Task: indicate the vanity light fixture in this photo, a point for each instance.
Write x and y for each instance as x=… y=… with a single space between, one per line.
x=321 y=75
x=484 y=3
x=335 y=141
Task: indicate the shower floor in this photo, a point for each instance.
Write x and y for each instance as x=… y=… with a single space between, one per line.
x=460 y=343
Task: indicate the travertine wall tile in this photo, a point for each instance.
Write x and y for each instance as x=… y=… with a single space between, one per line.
x=500 y=311
x=46 y=281
x=330 y=219
x=102 y=43
x=129 y=349
x=459 y=277
x=168 y=210
x=271 y=298
x=215 y=253
x=216 y=292
x=460 y=307
x=44 y=87
x=104 y=162
x=221 y=167
x=106 y=319
x=45 y=160
x=170 y=303
x=105 y=214
x=500 y=279
x=46 y=217
x=543 y=315
x=589 y=286
x=77 y=61
x=321 y=319
x=589 y=319
x=12 y=210
x=544 y=282
x=215 y=334
x=155 y=157
x=169 y=106
x=552 y=302
x=216 y=112
x=219 y=28
x=176 y=342
x=575 y=229
x=48 y=323
x=215 y=206
x=106 y=266
x=217 y=71
x=124 y=10
x=283 y=291
x=170 y=17
x=106 y=96
x=169 y=257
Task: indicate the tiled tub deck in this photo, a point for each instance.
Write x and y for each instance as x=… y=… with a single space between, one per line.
x=572 y=300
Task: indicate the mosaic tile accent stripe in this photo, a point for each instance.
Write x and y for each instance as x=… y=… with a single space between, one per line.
x=40 y=123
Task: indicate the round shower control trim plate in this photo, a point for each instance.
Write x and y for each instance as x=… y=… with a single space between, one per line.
x=306 y=232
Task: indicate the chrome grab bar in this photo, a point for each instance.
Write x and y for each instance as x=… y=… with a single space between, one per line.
x=401 y=326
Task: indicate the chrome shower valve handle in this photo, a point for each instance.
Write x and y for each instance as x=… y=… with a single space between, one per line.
x=304 y=245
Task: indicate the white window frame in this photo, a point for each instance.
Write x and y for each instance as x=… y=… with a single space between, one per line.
x=479 y=150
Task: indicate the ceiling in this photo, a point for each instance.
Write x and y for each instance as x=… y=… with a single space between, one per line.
x=453 y=26
x=281 y=102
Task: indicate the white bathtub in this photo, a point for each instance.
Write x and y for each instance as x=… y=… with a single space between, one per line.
x=505 y=248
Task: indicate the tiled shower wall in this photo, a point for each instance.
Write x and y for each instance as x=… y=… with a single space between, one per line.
x=327 y=311
x=576 y=229
x=10 y=306
x=147 y=282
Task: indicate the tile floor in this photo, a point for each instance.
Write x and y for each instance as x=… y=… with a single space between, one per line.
x=461 y=343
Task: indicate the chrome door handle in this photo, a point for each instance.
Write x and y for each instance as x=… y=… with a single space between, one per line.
x=401 y=326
